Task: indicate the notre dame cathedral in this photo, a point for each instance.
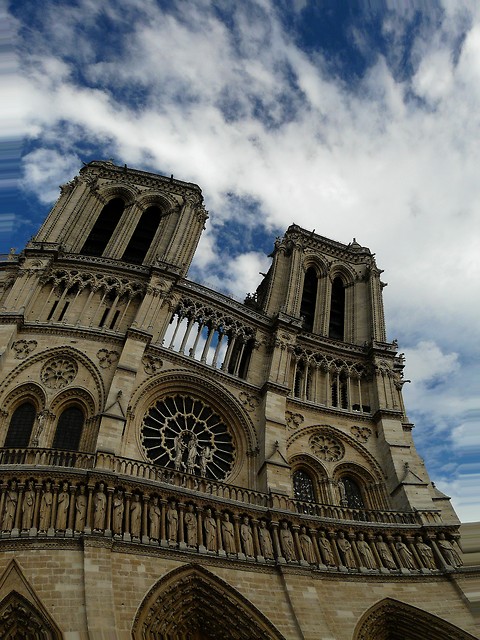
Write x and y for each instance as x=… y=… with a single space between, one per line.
x=176 y=465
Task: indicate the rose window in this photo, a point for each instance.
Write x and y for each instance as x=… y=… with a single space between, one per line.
x=326 y=448
x=58 y=372
x=183 y=433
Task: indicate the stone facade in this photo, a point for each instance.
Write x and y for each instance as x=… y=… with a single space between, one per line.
x=179 y=465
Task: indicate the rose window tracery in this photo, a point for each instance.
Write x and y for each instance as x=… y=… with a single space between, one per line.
x=184 y=433
x=326 y=447
x=58 y=372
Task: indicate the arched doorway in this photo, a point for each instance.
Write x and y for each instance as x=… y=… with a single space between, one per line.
x=191 y=603
x=19 y=619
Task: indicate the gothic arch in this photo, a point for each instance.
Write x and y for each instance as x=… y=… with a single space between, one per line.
x=128 y=193
x=24 y=393
x=391 y=619
x=166 y=202
x=190 y=602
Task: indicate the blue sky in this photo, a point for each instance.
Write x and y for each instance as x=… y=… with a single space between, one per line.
x=356 y=119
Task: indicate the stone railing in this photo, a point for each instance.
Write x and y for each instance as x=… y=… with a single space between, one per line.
x=42 y=501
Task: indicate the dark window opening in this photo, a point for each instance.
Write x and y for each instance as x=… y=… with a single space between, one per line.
x=244 y=352
x=353 y=495
x=309 y=299
x=52 y=310
x=114 y=320
x=21 y=425
x=69 y=429
x=104 y=317
x=303 y=487
x=64 y=310
x=103 y=228
x=337 y=311
x=143 y=235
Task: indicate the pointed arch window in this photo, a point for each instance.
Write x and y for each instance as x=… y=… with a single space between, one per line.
x=351 y=495
x=69 y=429
x=103 y=228
x=309 y=298
x=303 y=486
x=336 y=328
x=21 y=425
x=143 y=235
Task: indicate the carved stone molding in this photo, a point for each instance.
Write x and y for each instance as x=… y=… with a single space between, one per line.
x=106 y=358
x=58 y=372
x=23 y=348
x=326 y=447
x=249 y=401
x=151 y=364
x=361 y=433
x=293 y=420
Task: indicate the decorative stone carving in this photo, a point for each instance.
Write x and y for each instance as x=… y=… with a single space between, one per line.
x=63 y=502
x=362 y=434
x=249 y=401
x=326 y=448
x=425 y=552
x=448 y=551
x=307 y=546
x=228 y=535
x=346 y=552
x=46 y=504
x=154 y=514
x=293 y=420
x=404 y=554
x=106 y=358
x=58 y=372
x=265 y=539
x=11 y=501
x=172 y=523
x=210 y=526
x=247 y=538
x=80 y=509
x=136 y=516
x=28 y=506
x=151 y=364
x=23 y=348
x=367 y=558
x=326 y=550
x=118 y=511
x=191 y=527
x=286 y=542
x=385 y=554
x=99 y=508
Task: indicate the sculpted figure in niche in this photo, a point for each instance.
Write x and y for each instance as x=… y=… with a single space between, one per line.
x=326 y=550
x=28 y=506
x=46 y=507
x=449 y=552
x=11 y=501
x=367 y=558
x=210 y=531
x=228 y=535
x=343 y=494
x=346 y=551
x=426 y=554
x=135 y=516
x=172 y=523
x=205 y=458
x=247 y=538
x=265 y=541
x=404 y=554
x=307 y=546
x=191 y=455
x=80 y=509
x=118 y=510
x=154 y=514
x=179 y=449
x=63 y=502
x=191 y=526
x=286 y=542
x=385 y=554
x=99 y=508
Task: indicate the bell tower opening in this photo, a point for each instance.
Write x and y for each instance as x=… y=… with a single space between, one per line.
x=103 y=228
x=143 y=235
x=337 y=310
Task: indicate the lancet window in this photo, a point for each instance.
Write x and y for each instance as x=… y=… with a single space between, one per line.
x=69 y=429
x=21 y=425
x=303 y=486
x=350 y=493
x=336 y=327
x=309 y=299
x=103 y=228
x=143 y=235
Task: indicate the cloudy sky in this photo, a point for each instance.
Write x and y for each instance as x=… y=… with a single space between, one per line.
x=356 y=119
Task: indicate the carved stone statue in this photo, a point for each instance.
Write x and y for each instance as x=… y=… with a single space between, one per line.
x=179 y=449
x=367 y=558
x=326 y=550
x=136 y=516
x=210 y=526
x=205 y=458
x=80 y=509
x=191 y=526
x=172 y=523
x=247 y=538
x=265 y=541
x=449 y=552
x=28 y=506
x=118 y=511
x=307 y=546
x=385 y=554
x=286 y=542
x=228 y=535
x=154 y=513
x=346 y=551
x=425 y=552
x=46 y=507
x=63 y=502
x=404 y=554
x=11 y=501
x=192 y=454
x=99 y=508
x=343 y=493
